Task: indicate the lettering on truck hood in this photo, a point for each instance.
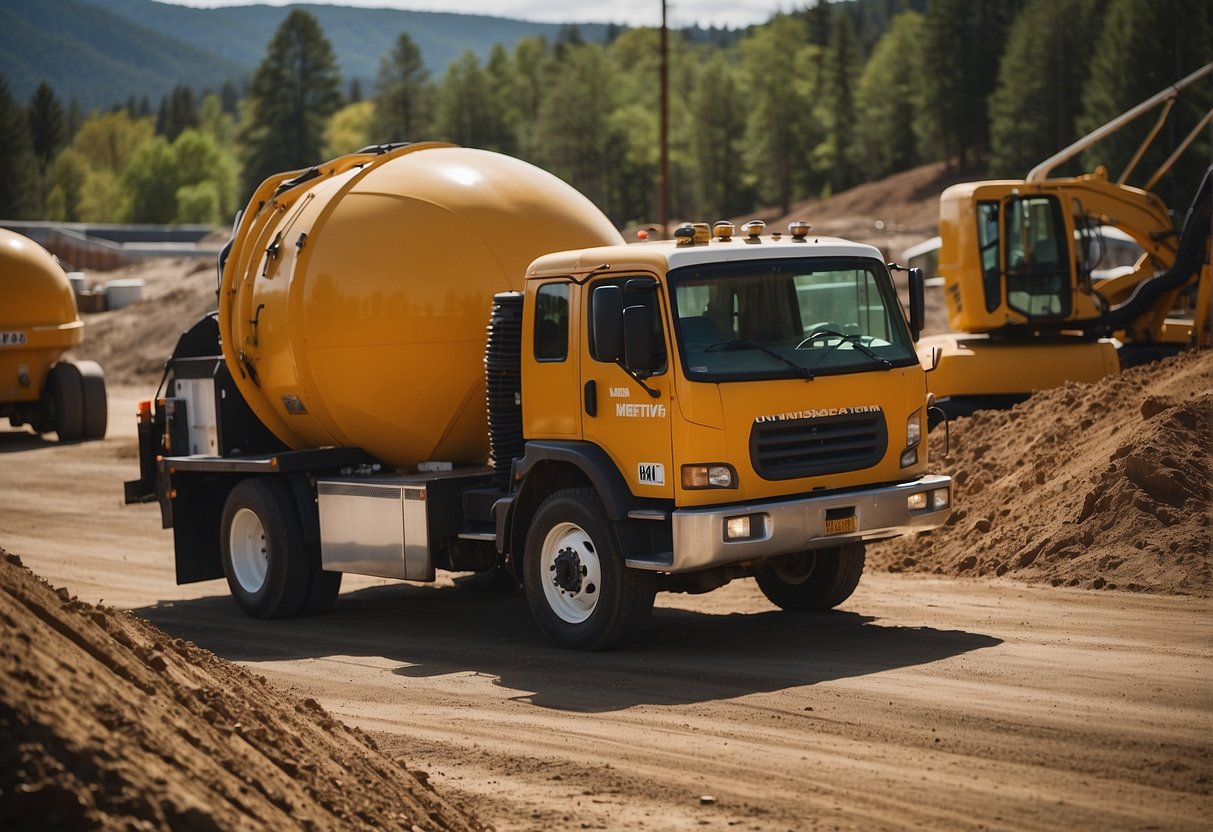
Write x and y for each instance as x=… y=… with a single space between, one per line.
x=796 y=415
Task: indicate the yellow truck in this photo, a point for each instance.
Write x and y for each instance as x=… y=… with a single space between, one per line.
x=38 y=324
x=430 y=357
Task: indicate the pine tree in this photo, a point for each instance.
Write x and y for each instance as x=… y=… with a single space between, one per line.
x=1167 y=39
x=576 y=140
x=965 y=41
x=18 y=191
x=180 y=113
x=294 y=91
x=532 y=65
x=718 y=137
x=468 y=114
x=48 y=130
x=402 y=95
x=780 y=133
x=889 y=99
x=842 y=65
x=1040 y=80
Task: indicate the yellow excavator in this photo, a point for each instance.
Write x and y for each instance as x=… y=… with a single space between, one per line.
x=1017 y=256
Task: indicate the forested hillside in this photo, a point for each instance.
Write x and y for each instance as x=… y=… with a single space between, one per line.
x=104 y=51
x=810 y=103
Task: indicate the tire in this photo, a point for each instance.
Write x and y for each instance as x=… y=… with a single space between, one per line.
x=95 y=413
x=322 y=591
x=579 y=590
x=262 y=549
x=65 y=395
x=815 y=580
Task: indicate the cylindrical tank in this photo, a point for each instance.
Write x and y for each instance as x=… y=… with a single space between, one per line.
x=38 y=319
x=354 y=302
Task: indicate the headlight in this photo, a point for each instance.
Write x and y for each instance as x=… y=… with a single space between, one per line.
x=737 y=528
x=940 y=499
x=917 y=502
x=708 y=476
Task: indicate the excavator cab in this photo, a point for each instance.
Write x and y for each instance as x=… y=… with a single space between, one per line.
x=1014 y=255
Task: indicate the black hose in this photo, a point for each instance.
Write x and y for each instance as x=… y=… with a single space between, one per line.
x=1189 y=256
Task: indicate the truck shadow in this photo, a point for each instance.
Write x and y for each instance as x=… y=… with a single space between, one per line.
x=685 y=657
x=15 y=440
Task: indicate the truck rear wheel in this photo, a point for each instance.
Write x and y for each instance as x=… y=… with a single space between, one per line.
x=262 y=548
x=814 y=580
x=580 y=592
x=94 y=415
x=65 y=401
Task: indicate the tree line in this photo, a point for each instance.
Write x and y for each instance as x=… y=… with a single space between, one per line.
x=800 y=106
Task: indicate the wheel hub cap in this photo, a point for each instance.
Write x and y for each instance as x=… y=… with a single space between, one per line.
x=568 y=571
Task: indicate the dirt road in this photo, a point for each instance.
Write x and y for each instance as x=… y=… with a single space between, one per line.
x=923 y=702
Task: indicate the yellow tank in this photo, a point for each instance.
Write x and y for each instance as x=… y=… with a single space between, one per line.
x=353 y=304
x=38 y=320
x=38 y=323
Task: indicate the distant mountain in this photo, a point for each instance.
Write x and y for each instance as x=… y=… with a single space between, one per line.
x=96 y=56
x=102 y=52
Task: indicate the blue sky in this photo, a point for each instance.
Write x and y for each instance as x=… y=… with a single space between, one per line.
x=632 y=12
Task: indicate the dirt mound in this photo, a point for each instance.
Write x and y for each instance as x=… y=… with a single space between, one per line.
x=132 y=344
x=107 y=723
x=1104 y=485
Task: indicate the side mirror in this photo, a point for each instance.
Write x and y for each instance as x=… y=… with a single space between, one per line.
x=608 y=323
x=918 y=302
x=638 y=339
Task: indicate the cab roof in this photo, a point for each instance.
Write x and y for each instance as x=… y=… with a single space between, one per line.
x=665 y=255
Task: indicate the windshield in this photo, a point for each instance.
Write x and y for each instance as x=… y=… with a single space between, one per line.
x=795 y=318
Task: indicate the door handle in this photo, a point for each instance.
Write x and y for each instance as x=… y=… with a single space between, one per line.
x=591 y=398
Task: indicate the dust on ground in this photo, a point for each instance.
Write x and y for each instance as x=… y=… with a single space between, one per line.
x=1102 y=485
x=107 y=723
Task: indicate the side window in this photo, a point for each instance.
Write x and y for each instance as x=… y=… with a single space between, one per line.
x=1038 y=269
x=552 y=322
x=632 y=296
x=987 y=241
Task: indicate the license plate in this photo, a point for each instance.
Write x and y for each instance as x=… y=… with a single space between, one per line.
x=842 y=525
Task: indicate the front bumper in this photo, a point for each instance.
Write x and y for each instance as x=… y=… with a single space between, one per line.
x=789 y=526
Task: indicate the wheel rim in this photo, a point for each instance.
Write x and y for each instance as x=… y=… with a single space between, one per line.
x=570 y=572
x=250 y=552
x=796 y=571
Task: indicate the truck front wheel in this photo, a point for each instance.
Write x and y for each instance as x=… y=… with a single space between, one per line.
x=262 y=549
x=814 y=580
x=580 y=592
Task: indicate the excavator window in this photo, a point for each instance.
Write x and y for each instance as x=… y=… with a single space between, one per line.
x=987 y=240
x=1037 y=258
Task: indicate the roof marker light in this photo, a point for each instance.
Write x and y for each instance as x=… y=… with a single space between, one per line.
x=754 y=228
x=799 y=229
x=724 y=231
x=684 y=234
x=703 y=232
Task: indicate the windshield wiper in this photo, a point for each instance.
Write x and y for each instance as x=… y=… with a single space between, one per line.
x=746 y=344
x=854 y=340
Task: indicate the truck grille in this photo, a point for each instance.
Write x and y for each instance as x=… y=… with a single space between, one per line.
x=811 y=447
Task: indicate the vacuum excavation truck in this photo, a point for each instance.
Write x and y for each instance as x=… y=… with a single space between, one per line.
x=430 y=357
x=38 y=324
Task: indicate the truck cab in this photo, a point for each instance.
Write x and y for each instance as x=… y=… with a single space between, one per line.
x=739 y=405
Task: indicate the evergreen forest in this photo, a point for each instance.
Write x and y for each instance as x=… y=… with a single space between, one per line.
x=810 y=103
